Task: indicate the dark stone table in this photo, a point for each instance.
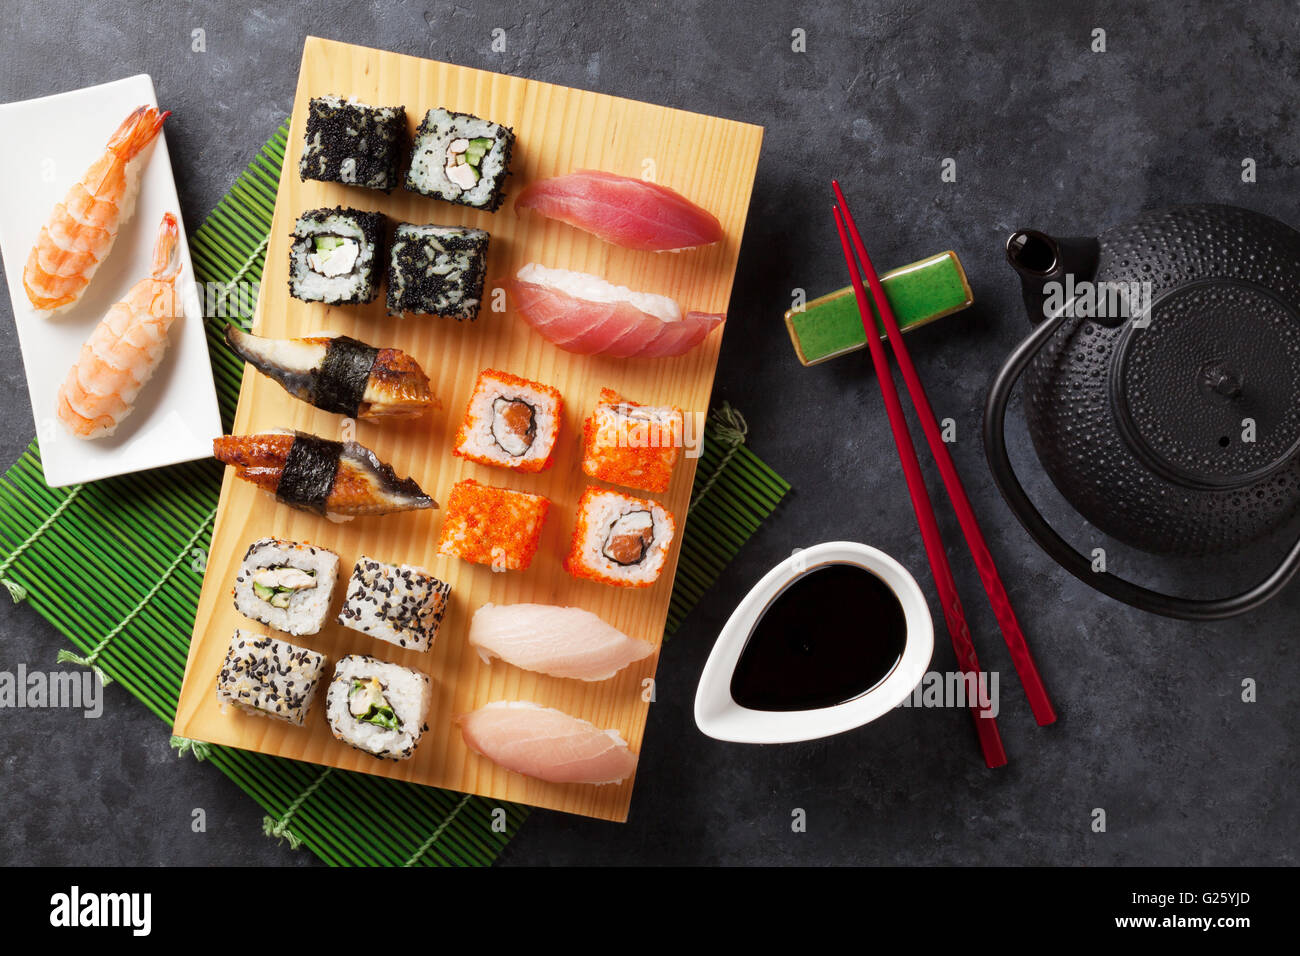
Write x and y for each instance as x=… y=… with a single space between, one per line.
x=1044 y=132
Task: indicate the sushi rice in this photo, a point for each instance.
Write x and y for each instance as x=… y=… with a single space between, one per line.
x=378 y=707
x=619 y=539
x=268 y=677
x=397 y=603
x=334 y=255
x=511 y=422
x=349 y=142
x=461 y=158
x=286 y=585
x=437 y=270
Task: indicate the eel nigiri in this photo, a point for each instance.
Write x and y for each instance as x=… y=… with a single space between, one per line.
x=627 y=212
x=339 y=480
x=547 y=744
x=126 y=347
x=81 y=230
x=583 y=313
x=560 y=641
x=340 y=374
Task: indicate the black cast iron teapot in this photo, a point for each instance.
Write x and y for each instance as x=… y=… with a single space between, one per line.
x=1162 y=390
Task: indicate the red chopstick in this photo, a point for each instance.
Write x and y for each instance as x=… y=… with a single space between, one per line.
x=986 y=727
x=1021 y=656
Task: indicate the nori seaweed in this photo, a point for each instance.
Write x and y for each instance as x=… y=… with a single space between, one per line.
x=309 y=470
x=342 y=377
x=373 y=225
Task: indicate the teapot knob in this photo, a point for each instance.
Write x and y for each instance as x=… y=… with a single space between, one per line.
x=1216 y=377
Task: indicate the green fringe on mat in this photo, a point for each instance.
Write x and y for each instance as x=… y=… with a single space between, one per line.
x=142 y=540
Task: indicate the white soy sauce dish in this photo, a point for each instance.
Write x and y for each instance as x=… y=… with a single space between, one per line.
x=770 y=681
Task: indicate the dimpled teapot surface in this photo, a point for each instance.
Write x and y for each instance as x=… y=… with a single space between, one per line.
x=1175 y=429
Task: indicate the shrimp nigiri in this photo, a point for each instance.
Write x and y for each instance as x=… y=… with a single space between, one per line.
x=125 y=348
x=81 y=229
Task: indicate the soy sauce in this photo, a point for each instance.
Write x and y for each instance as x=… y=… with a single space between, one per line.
x=828 y=637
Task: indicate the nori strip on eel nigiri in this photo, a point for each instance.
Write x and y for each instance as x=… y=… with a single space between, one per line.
x=340 y=374
x=324 y=477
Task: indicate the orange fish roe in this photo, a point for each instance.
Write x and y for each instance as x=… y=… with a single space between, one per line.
x=511 y=422
x=492 y=526
x=629 y=444
x=619 y=539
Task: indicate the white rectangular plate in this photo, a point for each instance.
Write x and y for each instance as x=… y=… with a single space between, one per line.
x=45 y=146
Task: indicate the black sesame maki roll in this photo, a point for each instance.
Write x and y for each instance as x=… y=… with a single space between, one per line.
x=352 y=143
x=460 y=158
x=397 y=603
x=437 y=270
x=335 y=256
x=268 y=677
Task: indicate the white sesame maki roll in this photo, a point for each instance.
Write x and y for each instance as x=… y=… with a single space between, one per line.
x=378 y=707
x=336 y=256
x=461 y=158
x=397 y=603
x=349 y=142
x=268 y=677
x=437 y=270
x=286 y=585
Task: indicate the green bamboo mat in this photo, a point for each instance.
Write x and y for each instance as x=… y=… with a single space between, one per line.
x=116 y=567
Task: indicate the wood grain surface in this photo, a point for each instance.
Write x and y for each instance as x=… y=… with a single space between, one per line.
x=711 y=161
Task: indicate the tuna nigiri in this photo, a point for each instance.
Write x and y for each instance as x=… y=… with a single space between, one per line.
x=340 y=374
x=585 y=314
x=627 y=212
x=547 y=744
x=339 y=480
x=560 y=641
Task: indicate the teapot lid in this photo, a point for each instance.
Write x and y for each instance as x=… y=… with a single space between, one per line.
x=1207 y=385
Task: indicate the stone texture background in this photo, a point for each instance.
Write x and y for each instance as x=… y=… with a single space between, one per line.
x=1045 y=133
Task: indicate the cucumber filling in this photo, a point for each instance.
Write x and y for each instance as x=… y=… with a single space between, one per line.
x=367 y=703
x=277 y=586
x=464 y=157
x=333 y=255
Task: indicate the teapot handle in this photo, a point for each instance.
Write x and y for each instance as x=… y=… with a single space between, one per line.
x=995 y=449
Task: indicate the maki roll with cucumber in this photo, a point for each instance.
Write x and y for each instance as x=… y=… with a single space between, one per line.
x=286 y=584
x=437 y=270
x=352 y=143
x=335 y=255
x=378 y=707
x=461 y=158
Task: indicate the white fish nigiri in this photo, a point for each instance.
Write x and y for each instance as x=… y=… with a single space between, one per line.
x=547 y=744
x=559 y=641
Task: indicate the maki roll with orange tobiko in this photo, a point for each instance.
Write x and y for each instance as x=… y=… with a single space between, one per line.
x=511 y=422
x=619 y=540
x=492 y=526
x=629 y=444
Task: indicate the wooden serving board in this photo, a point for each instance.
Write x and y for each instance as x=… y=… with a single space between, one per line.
x=712 y=161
